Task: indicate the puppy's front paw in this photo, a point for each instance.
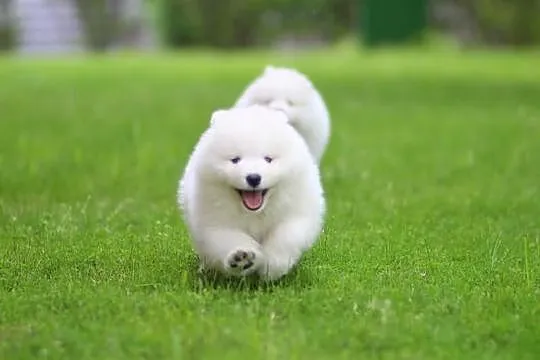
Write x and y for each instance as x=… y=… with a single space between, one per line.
x=242 y=262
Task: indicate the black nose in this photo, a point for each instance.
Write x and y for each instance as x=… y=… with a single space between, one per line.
x=253 y=180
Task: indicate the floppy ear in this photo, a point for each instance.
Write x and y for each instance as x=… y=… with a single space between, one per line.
x=216 y=115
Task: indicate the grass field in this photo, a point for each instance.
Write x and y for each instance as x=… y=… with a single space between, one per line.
x=431 y=248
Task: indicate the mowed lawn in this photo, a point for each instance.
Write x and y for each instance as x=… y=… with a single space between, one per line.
x=431 y=248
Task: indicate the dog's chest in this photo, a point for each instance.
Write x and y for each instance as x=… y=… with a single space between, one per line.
x=259 y=228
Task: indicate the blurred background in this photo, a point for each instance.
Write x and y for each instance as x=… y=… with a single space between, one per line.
x=68 y=26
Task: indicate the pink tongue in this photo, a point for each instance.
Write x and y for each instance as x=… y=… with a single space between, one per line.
x=252 y=199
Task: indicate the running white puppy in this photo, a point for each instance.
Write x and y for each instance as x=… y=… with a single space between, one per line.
x=251 y=194
x=292 y=92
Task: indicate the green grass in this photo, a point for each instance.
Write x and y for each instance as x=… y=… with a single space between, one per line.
x=431 y=248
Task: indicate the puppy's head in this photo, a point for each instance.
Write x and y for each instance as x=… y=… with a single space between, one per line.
x=253 y=152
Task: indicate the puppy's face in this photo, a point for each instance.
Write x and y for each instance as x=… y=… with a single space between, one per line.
x=252 y=151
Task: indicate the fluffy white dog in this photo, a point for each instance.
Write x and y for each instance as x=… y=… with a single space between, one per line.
x=251 y=194
x=292 y=92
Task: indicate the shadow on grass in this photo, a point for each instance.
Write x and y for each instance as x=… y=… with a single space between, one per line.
x=202 y=280
x=189 y=277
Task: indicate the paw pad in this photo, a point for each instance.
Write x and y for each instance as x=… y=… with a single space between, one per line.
x=241 y=260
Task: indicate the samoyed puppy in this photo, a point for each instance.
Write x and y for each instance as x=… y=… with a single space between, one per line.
x=251 y=194
x=293 y=93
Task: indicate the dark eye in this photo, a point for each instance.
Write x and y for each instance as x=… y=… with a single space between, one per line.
x=290 y=103
x=268 y=159
x=235 y=160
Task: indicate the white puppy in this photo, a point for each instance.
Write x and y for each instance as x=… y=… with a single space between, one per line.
x=292 y=92
x=251 y=194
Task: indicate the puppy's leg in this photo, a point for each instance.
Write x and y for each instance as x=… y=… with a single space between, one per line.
x=230 y=251
x=285 y=245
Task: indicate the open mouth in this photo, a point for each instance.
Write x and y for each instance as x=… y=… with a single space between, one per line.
x=253 y=200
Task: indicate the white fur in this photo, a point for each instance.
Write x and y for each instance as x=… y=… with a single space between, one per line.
x=292 y=92
x=274 y=237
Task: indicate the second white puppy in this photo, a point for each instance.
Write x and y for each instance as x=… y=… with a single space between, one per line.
x=292 y=92
x=251 y=194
